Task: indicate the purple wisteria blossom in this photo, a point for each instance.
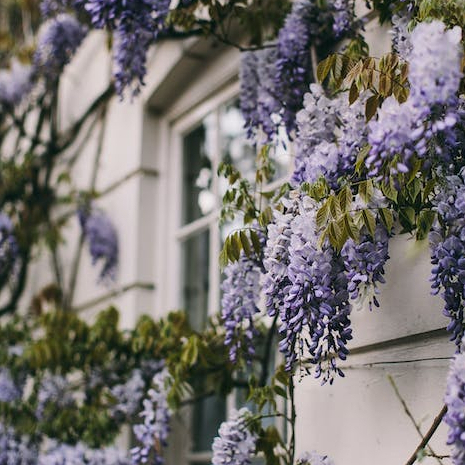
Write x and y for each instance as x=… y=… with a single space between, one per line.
x=428 y=118
x=309 y=289
x=455 y=402
x=16 y=449
x=15 y=84
x=103 y=240
x=364 y=262
x=136 y=25
x=313 y=458
x=235 y=444
x=239 y=304
x=50 y=8
x=9 y=390
x=307 y=24
x=58 y=39
x=128 y=396
x=154 y=431
x=330 y=133
x=447 y=243
x=53 y=391
x=258 y=103
x=401 y=40
x=80 y=454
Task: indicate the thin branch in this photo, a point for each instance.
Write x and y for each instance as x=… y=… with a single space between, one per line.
x=428 y=436
x=314 y=58
x=267 y=353
x=77 y=256
x=70 y=135
x=409 y=414
x=293 y=418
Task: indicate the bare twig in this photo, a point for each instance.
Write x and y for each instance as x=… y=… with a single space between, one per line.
x=428 y=436
x=409 y=414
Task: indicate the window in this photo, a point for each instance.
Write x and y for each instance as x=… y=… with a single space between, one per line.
x=201 y=139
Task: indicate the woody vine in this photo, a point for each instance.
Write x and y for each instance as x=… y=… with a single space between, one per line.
x=378 y=145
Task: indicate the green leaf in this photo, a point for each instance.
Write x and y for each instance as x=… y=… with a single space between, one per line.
x=350 y=228
x=365 y=190
x=371 y=107
x=386 y=217
x=369 y=221
x=407 y=218
x=280 y=391
x=334 y=207
x=322 y=215
x=324 y=67
x=362 y=154
x=389 y=190
x=255 y=241
x=353 y=93
x=345 y=198
x=245 y=243
x=424 y=223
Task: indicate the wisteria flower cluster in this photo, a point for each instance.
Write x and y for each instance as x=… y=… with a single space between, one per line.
x=128 y=396
x=404 y=130
x=57 y=41
x=273 y=81
x=315 y=309
x=80 y=454
x=447 y=242
x=53 y=391
x=330 y=132
x=102 y=238
x=135 y=25
x=15 y=449
x=154 y=431
x=455 y=402
x=241 y=294
x=9 y=390
x=235 y=444
x=15 y=84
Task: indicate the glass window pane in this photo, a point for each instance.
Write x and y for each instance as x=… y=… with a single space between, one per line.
x=198 y=151
x=208 y=414
x=195 y=266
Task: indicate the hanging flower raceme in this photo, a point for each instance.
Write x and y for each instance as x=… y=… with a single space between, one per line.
x=128 y=396
x=330 y=133
x=430 y=113
x=54 y=392
x=235 y=444
x=102 y=238
x=57 y=41
x=364 y=260
x=154 y=431
x=307 y=24
x=239 y=304
x=455 y=402
x=16 y=449
x=15 y=84
x=136 y=25
x=50 y=8
x=447 y=243
x=311 y=293
x=67 y=454
x=9 y=390
x=258 y=103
